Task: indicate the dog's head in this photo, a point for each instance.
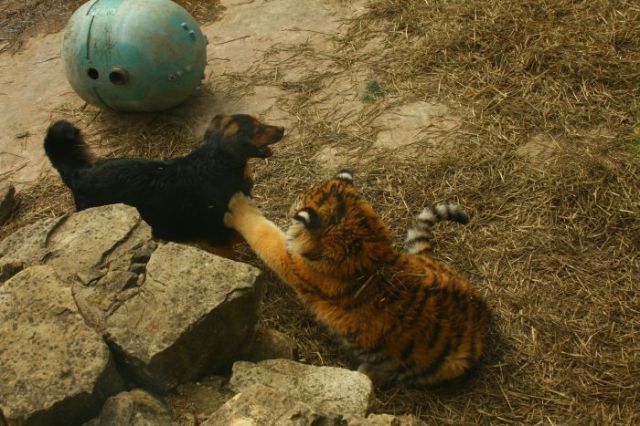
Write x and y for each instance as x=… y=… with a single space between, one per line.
x=243 y=136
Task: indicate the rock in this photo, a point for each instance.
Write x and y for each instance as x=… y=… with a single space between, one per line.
x=171 y=314
x=94 y=239
x=25 y=247
x=269 y=344
x=53 y=366
x=264 y=405
x=8 y=268
x=8 y=201
x=193 y=314
x=83 y=245
x=135 y=408
x=99 y=252
x=327 y=390
x=200 y=399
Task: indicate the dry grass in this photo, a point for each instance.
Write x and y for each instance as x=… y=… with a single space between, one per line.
x=560 y=67
x=20 y=19
x=554 y=242
x=554 y=251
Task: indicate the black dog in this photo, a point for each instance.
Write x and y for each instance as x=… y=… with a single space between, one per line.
x=183 y=199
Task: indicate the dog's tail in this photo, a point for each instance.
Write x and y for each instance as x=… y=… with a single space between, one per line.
x=66 y=149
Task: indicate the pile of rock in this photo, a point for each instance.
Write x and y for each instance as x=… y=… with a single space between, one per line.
x=96 y=318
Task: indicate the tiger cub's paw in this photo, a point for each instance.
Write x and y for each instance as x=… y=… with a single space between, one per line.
x=239 y=206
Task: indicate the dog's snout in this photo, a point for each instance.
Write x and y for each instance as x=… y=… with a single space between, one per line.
x=280 y=131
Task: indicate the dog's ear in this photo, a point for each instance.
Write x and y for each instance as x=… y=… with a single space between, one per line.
x=218 y=124
x=230 y=131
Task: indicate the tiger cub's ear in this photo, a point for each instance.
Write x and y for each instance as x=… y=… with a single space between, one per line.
x=345 y=175
x=308 y=217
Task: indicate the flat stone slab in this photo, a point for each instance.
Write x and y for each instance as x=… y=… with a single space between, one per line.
x=78 y=244
x=53 y=366
x=25 y=247
x=265 y=405
x=327 y=390
x=171 y=313
x=193 y=313
x=92 y=239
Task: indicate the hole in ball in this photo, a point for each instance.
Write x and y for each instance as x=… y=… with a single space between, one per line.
x=93 y=73
x=118 y=76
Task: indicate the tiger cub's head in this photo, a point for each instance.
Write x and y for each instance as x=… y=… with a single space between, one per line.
x=336 y=230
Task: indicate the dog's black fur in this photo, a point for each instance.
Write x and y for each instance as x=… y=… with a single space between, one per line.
x=183 y=199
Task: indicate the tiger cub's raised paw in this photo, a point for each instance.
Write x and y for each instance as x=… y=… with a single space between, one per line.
x=239 y=206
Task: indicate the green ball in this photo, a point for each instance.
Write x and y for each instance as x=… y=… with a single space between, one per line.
x=133 y=55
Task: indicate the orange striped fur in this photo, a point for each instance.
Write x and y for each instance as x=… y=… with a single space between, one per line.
x=406 y=315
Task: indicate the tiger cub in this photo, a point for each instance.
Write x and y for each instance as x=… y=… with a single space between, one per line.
x=407 y=316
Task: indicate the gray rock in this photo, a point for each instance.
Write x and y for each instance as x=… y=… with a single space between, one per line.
x=8 y=268
x=135 y=408
x=193 y=313
x=84 y=245
x=265 y=405
x=8 y=201
x=328 y=390
x=26 y=247
x=92 y=242
x=171 y=315
x=99 y=252
x=54 y=367
x=269 y=344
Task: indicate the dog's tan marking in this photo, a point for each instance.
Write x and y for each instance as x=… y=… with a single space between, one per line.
x=218 y=123
x=223 y=121
x=231 y=130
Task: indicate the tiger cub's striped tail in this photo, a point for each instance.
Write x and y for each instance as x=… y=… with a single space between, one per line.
x=420 y=235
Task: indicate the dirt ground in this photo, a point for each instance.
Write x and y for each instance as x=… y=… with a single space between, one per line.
x=525 y=113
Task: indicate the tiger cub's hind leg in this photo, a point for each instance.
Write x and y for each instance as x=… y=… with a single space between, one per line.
x=420 y=235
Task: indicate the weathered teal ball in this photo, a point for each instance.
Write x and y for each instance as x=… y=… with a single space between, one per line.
x=133 y=55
